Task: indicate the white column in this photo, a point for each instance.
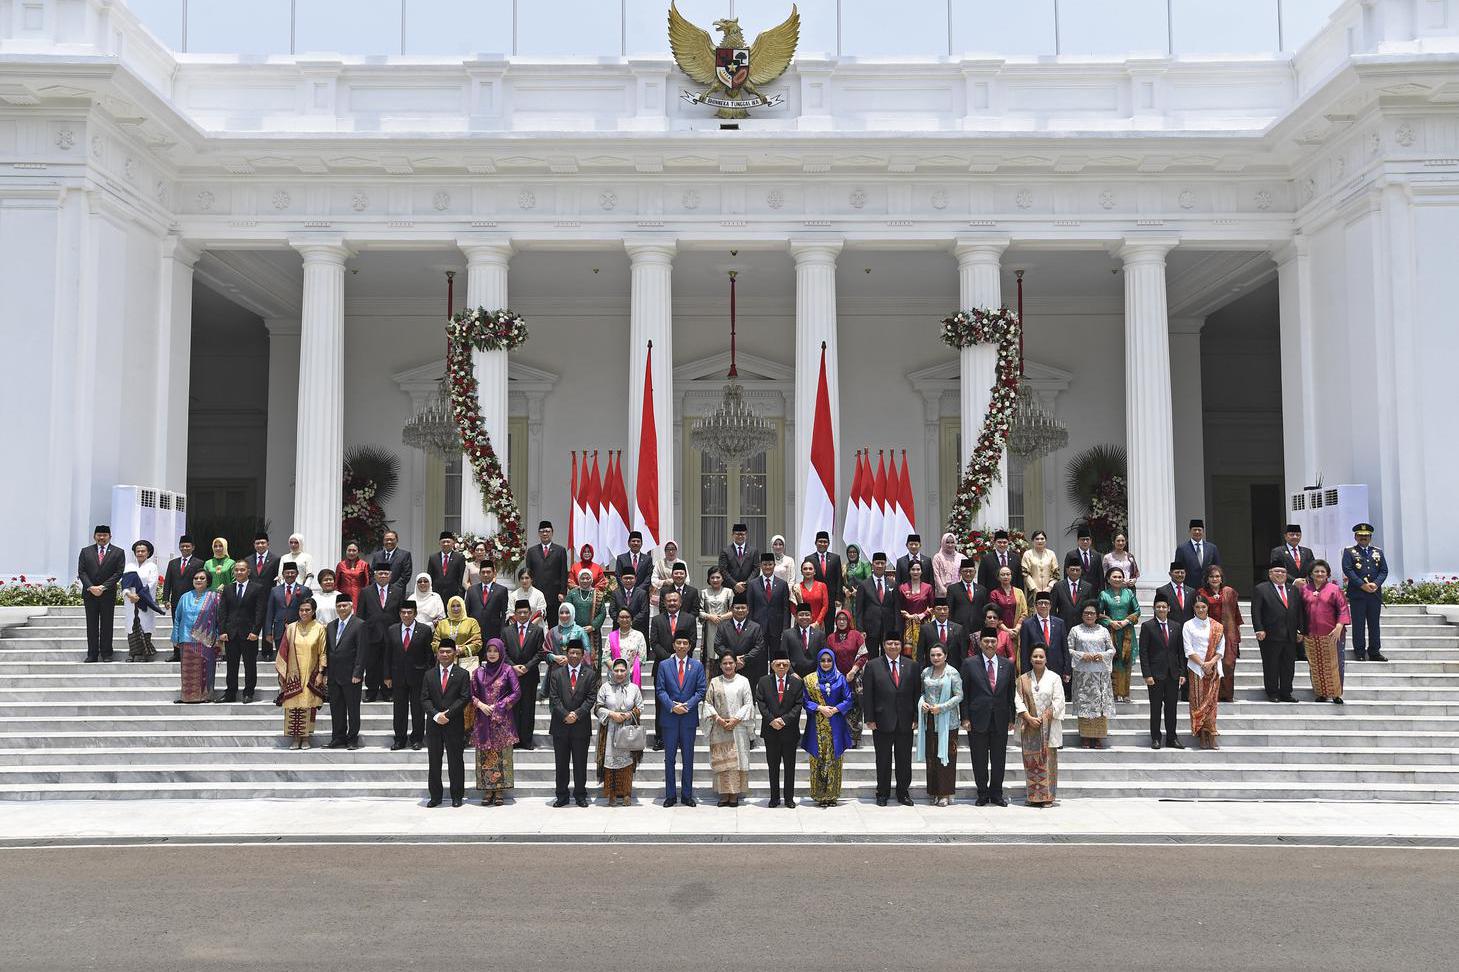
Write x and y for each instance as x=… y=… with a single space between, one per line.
x=283 y=420
x=1299 y=396
x=815 y=322
x=1149 y=433
x=980 y=284
x=174 y=342
x=319 y=454
x=486 y=286
x=651 y=318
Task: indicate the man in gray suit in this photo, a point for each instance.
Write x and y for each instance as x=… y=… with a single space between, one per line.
x=348 y=645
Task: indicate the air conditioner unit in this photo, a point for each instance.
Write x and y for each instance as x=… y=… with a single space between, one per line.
x=134 y=516
x=1304 y=508
x=1343 y=506
x=171 y=524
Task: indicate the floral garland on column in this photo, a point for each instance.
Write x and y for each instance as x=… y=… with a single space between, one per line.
x=962 y=330
x=484 y=330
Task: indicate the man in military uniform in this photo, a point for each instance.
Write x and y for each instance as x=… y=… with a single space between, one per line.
x=1366 y=569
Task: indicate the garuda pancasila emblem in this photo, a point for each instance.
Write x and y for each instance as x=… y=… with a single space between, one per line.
x=732 y=70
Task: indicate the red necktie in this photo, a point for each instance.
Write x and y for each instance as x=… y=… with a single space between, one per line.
x=767 y=588
x=635 y=564
x=100 y=554
x=1046 y=631
x=673 y=626
x=445 y=677
x=942 y=633
x=780 y=690
x=880 y=589
x=405 y=639
x=1282 y=592
x=681 y=673
x=806 y=634
x=521 y=634
x=823 y=565
x=1180 y=596
x=572 y=677
x=992 y=674
x=445 y=559
x=259 y=569
x=1297 y=557
x=896 y=674
x=288 y=593
x=1164 y=633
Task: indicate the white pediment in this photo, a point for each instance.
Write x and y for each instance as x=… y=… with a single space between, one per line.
x=751 y=368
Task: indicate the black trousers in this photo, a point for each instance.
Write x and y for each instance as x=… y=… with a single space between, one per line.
x=344 y=711
x=1164 y=695
x=780 y=749
x=100 y=615
x=526 y=711
x=990 y=752
x=890 y=745
x=572 y=748
x=1278 y=663
x=247 y=652
x=407 y=702
x=375 y=668
x=447 y=740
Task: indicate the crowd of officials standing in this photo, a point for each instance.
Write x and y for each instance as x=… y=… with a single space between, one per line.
x=790 y=656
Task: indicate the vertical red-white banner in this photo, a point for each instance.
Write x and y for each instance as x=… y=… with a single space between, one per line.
x=906 y=507
x=851 y=529
x=646 y=485
x=574 y=515
x=615 y=510
x=820 y=478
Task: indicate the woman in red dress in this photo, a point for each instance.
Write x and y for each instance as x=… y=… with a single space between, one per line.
x=352 y=574
x=849 y=646
x=1224 y=609
x=917 y=597
x=813 y=593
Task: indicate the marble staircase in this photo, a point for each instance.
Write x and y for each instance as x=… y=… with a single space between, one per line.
x=70 y=730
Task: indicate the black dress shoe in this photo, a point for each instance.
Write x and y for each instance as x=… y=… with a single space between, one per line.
x=456 y=801
x=670 y=801
x=905 y=800
x=433 y=802
x=415 y=746
x=1175 y=743
x=107 y=658
x=1000 y=800
x=1272 y=698
x=560 y=802
x=1377 y=656
x=227 y=698
x=658 y=746
x=1154 y=744
x=1359 y=656
x=1286 y=698
x=176 y=656
x=982 y=801
x=353 y=745
x=582 y=801
x=396 y=747
x=247 y=697
x=90 y=661
x=690 y=802
x=790 y=802
x=370 y=696
x=881 y=801
x=335 y=744
x=1337 y=701
x=774 y=801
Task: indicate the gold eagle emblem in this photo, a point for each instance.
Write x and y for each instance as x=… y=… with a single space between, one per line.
x=732 y=70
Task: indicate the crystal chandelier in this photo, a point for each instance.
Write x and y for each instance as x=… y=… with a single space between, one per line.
x=432 y=429
x=734 y=432
x=1033 y=432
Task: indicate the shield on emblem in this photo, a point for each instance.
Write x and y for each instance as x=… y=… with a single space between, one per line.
x=732 y=65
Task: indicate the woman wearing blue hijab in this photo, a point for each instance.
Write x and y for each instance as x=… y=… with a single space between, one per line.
x=827 y=700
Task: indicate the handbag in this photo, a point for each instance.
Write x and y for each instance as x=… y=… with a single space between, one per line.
x=631 y=737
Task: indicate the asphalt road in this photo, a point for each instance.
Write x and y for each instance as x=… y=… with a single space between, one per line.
x=725 y=907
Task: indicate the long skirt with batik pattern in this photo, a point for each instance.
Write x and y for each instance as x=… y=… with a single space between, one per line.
x=299 y=723
x=1323 y=661
x=854 y=718
x=1040 y=766
x=1124 y=640
x=494 y=770
x=724 y=762
x=617 y=783
x=825 y=783
x=199 y=665
x=941 y=779
x=1205 y=696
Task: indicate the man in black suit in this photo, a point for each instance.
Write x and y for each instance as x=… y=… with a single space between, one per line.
x=632 y=598
x=1197 y=553
x=1091 y=563
x=1295 y=557
x=402 y=567
x=240 y=619
x=890 y=689
x=1162 y=665
x=739 y=560
x=525 y=653
x=571 y=691
x=447 y=569
x=379 y=608
x=348 y=645
x=829 y=572
x=952 y=636
x=281 y=608
x=177 y=579
x=780 y=696
x=1280 y=620
x=769 y=598
x=640 y=566
x=445 y=693
x=742 y=637
x=878 y=605
x=988 y=716
x=679 y=584
x=547 y=562
x=1179 y=595
x=263 y=564
x=1043 y=629
x=966 y=598
x=803 y=642
x=408 y=655
x=99 y=568
x=1070 y=593
x=914 y=552
x=996 y=559
x=486 y=601
x=670 y=623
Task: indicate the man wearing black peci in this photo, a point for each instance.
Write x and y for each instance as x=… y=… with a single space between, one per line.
x=240 y=618
x=99 y=568
x=445 y=693
x=890 y=688
x=988 y=715
x=525 y=653
x=1162 y=665
x=780 y=696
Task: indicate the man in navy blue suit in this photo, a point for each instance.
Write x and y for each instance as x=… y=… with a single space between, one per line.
x=282 y=608
x=1043 y=628
x=1197 y=553
x=680 y=686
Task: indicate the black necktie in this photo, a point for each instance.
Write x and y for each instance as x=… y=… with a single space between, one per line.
x=240 y=591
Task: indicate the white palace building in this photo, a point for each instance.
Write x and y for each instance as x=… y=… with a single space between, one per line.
x=225 y=229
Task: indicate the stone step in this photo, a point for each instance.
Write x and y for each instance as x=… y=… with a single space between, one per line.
x=861 y=790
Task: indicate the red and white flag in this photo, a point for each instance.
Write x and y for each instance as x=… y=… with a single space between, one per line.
x=593 y=505
x=575 y=516
x=894 y=536
x=615 y=510
x=876 y=533
x=646 y=486
x=819 y=511
x=851 y=529
x=906 y=509
x=865 y=539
